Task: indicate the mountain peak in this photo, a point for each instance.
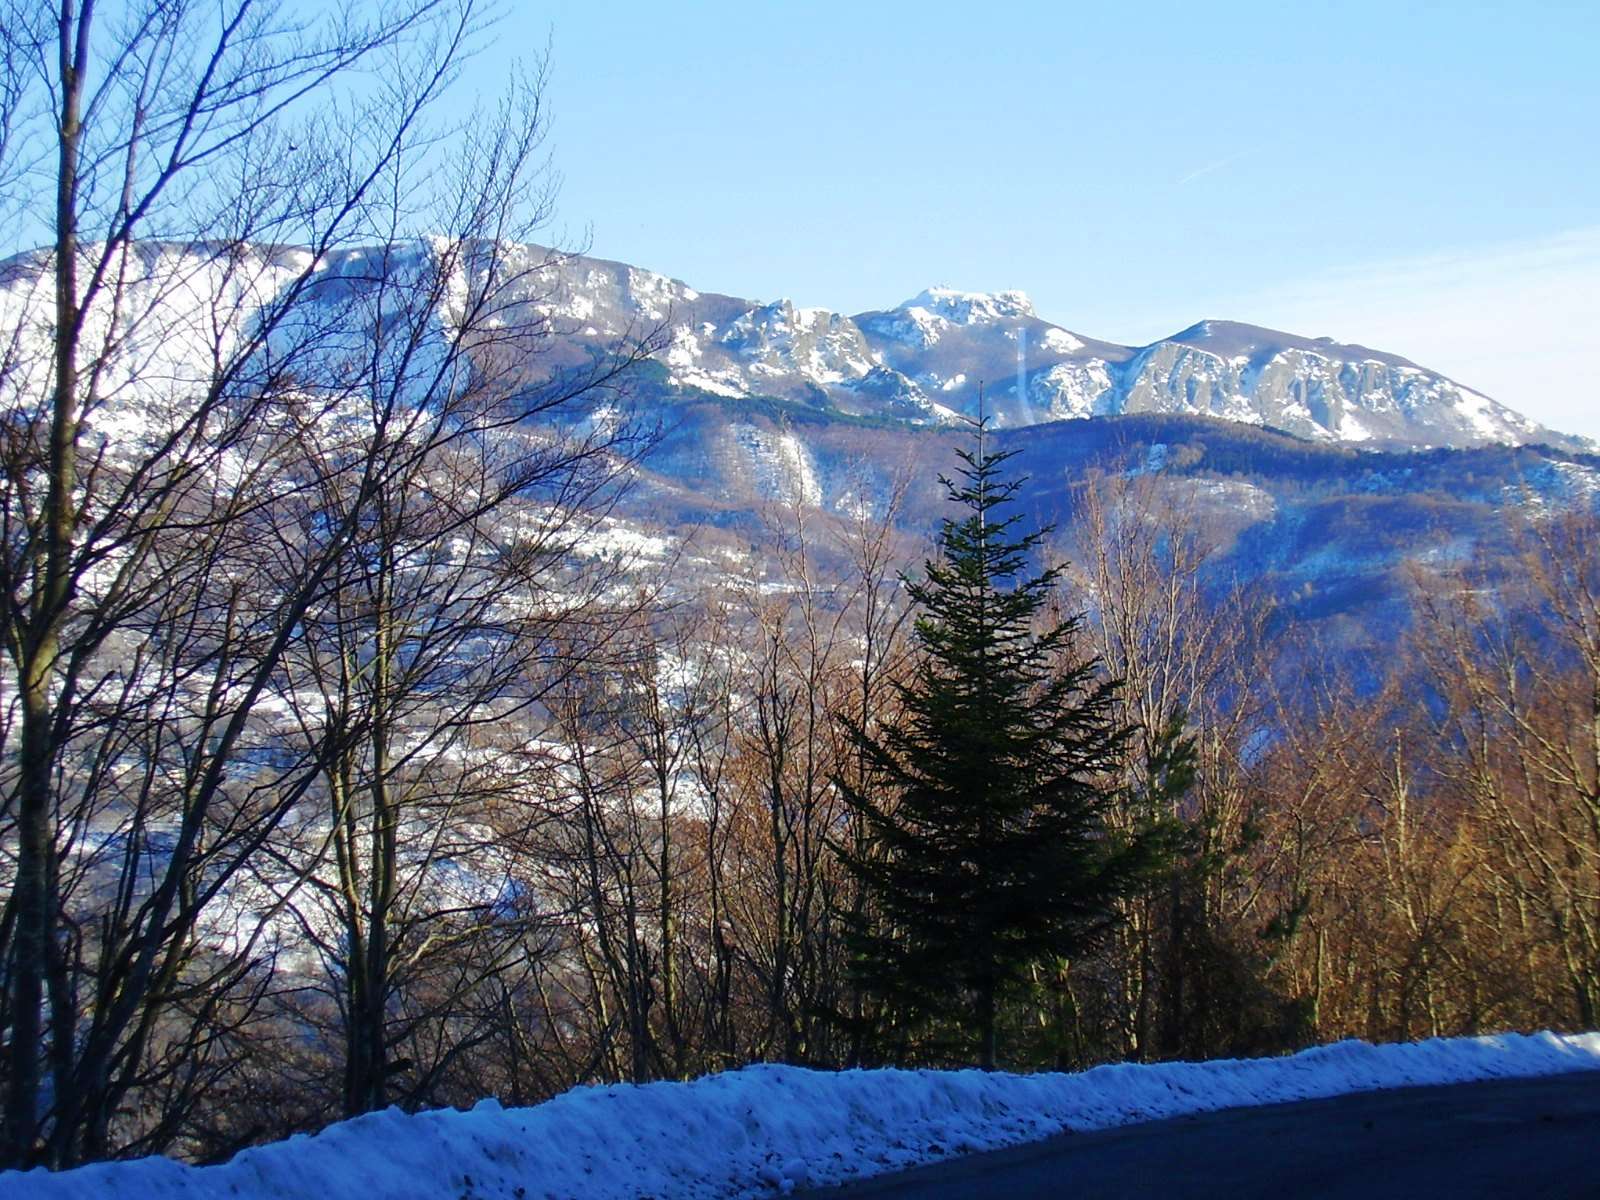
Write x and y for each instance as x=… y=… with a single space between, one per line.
x=1237 y=337
x=972 y=308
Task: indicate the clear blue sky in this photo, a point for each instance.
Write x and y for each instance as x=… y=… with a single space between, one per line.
x=1422 y=177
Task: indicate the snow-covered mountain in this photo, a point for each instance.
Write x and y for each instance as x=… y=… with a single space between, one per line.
x=1323 y=468
x=923 y=361
x=755 y=416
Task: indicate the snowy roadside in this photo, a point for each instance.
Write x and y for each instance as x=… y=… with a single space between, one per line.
x=765 y=1130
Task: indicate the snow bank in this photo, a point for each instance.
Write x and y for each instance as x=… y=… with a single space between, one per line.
x=766 y=1130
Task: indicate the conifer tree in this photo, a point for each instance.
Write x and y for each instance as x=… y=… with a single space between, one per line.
x=987 y=848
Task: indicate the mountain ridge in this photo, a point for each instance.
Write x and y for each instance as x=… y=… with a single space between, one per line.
x=923 y=360
x=749 y=408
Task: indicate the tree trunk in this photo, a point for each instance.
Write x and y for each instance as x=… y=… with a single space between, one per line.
x=38 y=640
x=988 y=1050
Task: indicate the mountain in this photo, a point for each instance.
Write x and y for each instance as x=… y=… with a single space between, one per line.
x=1321 y=470
x=1330 y=531
x=923 y=362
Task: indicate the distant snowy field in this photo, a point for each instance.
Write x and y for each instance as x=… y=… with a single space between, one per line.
x=767 y=1130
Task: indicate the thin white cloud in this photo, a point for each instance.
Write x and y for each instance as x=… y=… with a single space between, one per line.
x=1208 y=168
x=1519 y=321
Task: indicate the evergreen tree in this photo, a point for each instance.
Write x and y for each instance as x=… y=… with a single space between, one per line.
x=986 y=847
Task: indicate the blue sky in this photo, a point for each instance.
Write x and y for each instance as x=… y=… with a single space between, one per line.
x=1420 y=177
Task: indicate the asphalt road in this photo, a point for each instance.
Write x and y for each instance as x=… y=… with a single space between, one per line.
x=1517 y=1139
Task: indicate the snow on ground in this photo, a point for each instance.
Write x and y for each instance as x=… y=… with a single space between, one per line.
x=617 y=540
x=766 y=1130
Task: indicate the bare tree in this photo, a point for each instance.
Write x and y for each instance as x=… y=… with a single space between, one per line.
x=195 y=326
x=1518 y=667
x=1186 y=647
x=444 y=624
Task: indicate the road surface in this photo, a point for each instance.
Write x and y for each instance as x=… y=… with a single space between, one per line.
x=1515 y=1139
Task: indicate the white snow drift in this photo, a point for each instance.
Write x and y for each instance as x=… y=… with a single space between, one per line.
x=766 y=1130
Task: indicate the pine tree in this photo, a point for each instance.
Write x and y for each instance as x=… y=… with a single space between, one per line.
x=987 y=849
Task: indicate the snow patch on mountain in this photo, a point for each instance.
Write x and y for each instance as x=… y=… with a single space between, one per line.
x=1351 y=428
x=684 y=357
x=1075 y=389
x=1239 y=497
x=1564 y=483
x=971 y=308
x=779 y=339
x=1059 y=341
x=1485 y=416
x=619 y=541
x=916 y=327
x=782 y=465
x=180 y=311
x=652 y=294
